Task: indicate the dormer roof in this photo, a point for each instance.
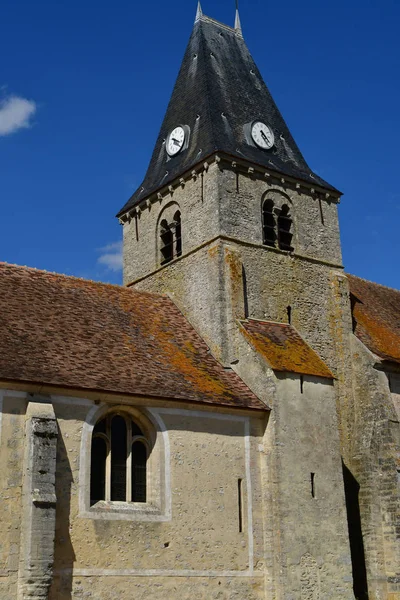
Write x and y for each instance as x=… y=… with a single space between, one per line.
x=218 y=94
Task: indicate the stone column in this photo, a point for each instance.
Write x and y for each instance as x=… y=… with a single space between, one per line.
x=39 y=502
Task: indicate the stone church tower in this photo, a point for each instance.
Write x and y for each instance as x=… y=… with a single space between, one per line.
x=233 y=225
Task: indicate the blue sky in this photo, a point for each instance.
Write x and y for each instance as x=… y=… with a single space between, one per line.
x=84 y=86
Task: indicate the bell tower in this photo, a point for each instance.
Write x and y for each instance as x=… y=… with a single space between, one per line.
x=230 y=220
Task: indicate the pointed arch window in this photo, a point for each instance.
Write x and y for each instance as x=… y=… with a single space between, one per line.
x=171 y=238
x=277 y=226
x=119 y=456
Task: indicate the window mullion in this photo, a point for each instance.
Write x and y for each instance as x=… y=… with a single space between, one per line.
x=129 y=462
x=108 y=460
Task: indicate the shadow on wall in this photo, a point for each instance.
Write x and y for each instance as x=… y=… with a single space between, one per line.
x=352 y=488
x=64 y=555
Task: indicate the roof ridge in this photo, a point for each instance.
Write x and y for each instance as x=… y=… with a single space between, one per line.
x=81 y=279
x=267 y=321
x=207 y=19
x=382 y=285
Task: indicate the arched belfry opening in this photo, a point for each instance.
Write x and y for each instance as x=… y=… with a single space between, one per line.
x=170 y=234
x=277 y=223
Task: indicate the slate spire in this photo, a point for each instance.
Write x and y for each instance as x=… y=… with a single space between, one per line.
x=218 y=95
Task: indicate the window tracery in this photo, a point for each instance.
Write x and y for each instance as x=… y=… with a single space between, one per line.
x=119 y=455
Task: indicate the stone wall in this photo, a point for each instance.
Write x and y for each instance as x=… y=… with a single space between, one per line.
x=221 y=201
x=374 y=468
x=198 y=551
x=197 y=200
x=12 y=430
x=200 y=548
x=220 y=282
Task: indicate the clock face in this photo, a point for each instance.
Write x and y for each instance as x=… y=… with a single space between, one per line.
x=175 y=141
x=262 y=135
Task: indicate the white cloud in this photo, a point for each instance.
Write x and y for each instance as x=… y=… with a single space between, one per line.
x=111 y=256
x=15 y=113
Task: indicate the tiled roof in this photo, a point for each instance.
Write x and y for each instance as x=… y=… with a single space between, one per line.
x=219 y=89
x=376 y=315
x=284 y=349
x=73 y=333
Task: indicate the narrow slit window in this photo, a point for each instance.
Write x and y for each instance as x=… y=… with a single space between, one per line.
x=289 y=314
x=284 y=229
x=313 y=485
x=301 y=384
x=269 y=225
x=240 y=504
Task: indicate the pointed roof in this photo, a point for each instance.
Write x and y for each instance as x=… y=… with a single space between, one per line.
x=218 y=91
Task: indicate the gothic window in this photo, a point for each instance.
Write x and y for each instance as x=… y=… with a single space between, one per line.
x=171 y=238
x=269 y=226
x=118 y=460
x=284 y=229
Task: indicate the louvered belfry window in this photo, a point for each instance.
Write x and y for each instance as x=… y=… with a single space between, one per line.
x=167 y=242
x=269 y=224
x=285 y=229
x=118 y=461
x=277 y=226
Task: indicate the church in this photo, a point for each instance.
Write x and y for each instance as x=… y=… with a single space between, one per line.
x=225 y=425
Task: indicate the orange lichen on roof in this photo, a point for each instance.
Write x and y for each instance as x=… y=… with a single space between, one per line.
x=69 y=332
x=284 y=349
x=376 y=317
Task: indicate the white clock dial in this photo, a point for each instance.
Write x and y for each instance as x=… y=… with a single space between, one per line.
x=262 y=135
x=175 y=141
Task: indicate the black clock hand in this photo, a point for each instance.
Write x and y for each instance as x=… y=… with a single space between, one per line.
x=176 y=142
x=265 y=137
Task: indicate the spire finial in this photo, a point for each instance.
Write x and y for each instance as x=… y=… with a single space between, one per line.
x=199 y=13
x=238 y=25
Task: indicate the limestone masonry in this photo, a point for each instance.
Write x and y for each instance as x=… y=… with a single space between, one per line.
x=226 y=424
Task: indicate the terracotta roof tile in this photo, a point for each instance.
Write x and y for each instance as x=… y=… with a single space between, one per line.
x=284 y=349
x=376 y=314
x=74 y=333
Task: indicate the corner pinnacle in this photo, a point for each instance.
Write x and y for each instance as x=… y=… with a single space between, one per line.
x=199 y=13
x=238 y=25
